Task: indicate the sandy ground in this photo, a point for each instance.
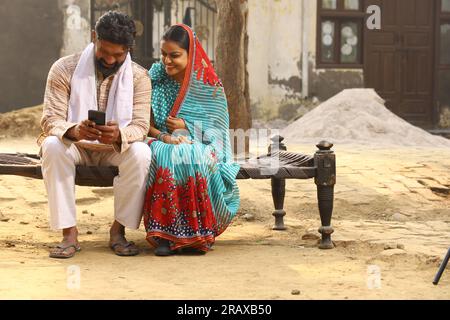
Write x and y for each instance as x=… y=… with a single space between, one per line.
x=386 y=217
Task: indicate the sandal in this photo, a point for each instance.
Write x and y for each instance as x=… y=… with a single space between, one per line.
x=125 y=250
x=59 y=252
x=192 y=251
x=163 y=249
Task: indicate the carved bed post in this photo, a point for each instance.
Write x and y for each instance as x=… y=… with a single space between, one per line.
x=278 y=187
x=325 y=162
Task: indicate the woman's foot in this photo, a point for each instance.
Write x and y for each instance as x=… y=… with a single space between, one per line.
x=192 y=251
x=163 y=249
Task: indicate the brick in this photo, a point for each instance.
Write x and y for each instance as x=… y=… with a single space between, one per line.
x=434 y=185
x=383 y=191
x=368 y=182
x=396 y=187
x=6 y=194
x=407 y=182
x=443 y=178
x=412 y=175
x=424 y=172
x=427 y=194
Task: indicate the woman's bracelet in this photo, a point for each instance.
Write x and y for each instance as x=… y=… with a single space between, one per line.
x=185 y=124
x=161 y=135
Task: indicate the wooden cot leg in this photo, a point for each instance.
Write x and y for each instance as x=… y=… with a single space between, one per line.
x=325 y=195
x=278 y=192
x=325 y=162
x=278 y=187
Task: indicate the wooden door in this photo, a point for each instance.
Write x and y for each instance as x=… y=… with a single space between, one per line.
x=142 y=12
x=399 y=58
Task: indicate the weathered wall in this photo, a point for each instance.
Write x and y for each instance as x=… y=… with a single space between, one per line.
x=275 y=58
x=31 y=40
x=444 y=98
x=274 y=52
x=77 y=28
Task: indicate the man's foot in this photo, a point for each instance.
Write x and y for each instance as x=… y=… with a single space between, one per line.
x=64 y=251
x=69 y=245
x=124 y=249
x=119 y=244
x=163 y=249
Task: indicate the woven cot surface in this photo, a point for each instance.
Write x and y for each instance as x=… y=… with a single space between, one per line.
x=284 y=158
x=18 y=159
x=280 y=164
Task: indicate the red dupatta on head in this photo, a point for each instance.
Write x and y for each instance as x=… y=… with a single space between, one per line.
x=198 y=62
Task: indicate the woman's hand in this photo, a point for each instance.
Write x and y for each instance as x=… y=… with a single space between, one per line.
x=170 y=139
x=174 y=124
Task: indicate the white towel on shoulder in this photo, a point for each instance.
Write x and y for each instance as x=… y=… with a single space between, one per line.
x=83 y=96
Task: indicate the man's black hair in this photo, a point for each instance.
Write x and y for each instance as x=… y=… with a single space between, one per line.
x=117 y=28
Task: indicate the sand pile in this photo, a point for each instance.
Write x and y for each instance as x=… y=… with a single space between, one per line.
x=20 y=123
x=358 y=116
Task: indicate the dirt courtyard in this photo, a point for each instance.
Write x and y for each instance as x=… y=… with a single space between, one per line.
x=392 y=229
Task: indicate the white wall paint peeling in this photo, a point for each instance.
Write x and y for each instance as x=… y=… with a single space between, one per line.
x=275 y=52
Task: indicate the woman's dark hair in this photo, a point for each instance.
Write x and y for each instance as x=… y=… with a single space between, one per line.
x=179 y=35
x=117 y=28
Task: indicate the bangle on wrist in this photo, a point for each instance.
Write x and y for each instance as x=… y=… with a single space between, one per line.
x=161 y=135
x=185 y=124
x=164 y=135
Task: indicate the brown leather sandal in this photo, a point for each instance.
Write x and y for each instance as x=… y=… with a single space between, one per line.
x=125 y=250
x=59 y=252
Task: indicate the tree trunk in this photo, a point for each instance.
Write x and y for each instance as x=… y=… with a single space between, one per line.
x=231 y=62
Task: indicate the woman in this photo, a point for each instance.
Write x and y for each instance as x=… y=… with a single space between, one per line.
x=192 y=193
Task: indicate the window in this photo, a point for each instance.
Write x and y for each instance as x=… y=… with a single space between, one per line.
x=445 y=43
x=444 y=59
x=446 y=6
x=142 y=13
x=339 y=36
x=152 y=17
x=444 y=54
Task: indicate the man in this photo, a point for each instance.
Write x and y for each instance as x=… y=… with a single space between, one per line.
x=103 y=78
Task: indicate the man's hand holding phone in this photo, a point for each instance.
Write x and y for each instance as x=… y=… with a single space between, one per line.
x=85 y=130
x=88 y=130
x=110 y=133
x=94 y=129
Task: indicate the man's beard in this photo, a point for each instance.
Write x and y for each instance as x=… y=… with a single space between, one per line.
x=99 y=63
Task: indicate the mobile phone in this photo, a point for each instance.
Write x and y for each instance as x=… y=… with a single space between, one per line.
x=99 y=117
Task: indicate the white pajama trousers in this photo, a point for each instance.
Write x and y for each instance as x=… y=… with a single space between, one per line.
x=58 y=169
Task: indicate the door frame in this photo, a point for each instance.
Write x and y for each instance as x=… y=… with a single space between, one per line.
x=435 y=57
